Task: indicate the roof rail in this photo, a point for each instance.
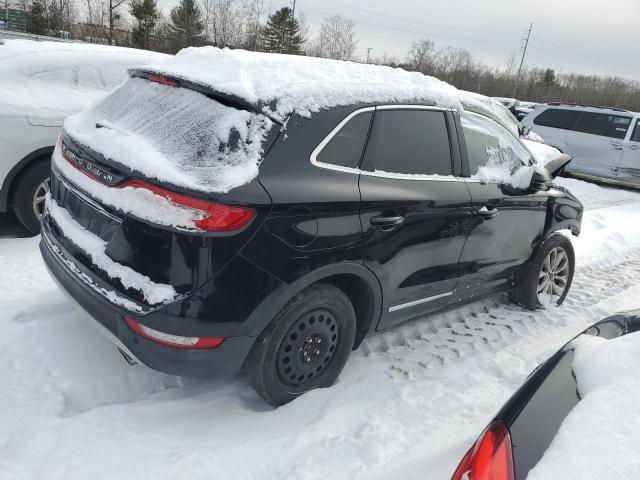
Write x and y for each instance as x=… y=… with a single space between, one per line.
x=616 y=109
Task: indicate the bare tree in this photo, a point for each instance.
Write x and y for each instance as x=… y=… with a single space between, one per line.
x=336 y=39
x=421 y=55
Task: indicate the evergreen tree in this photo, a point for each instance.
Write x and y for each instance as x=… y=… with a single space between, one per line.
x=38 y=18
x=187 y=23
x=549 y=78
x=282 y=34
x=146 y=14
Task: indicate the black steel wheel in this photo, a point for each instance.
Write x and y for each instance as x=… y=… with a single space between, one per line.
x=305 y=346
x=308 y=347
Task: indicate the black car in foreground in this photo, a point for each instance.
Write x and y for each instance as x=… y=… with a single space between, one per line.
x=518 y=436
x=361 y=216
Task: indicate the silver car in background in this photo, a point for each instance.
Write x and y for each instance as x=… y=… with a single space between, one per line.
x=604 y=142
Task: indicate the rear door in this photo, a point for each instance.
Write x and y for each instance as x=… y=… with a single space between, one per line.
x=629 y=169
x=507 y=222
x=413 y=209
x=596 y=143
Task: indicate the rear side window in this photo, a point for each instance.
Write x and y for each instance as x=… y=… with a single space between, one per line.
x=636 y=133
x=614 y=126
x=414 y=142
x=557 y=118
x=345 y=147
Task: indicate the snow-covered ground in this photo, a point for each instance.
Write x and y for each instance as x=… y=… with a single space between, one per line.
x=408 y=405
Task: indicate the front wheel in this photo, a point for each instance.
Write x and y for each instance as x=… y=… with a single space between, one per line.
x=548 y=277
x=305 y=346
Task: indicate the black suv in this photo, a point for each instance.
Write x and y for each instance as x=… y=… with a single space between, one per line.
x=360 y=217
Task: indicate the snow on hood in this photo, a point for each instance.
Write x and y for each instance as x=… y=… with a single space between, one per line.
x=542 y=153
x=56 y=79
x=286 y=84
x=600 y=438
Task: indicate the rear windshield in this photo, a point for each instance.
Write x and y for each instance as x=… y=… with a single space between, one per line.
x=175 y=135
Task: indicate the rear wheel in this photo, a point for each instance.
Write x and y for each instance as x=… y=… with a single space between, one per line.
x=548 y=277
x=29 y=193
x=305 y=346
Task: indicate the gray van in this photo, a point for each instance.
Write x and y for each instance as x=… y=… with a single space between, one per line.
x=604 y=142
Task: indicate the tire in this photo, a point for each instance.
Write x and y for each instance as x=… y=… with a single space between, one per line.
x=527 y=291
x=287 y=359
x=32 y=182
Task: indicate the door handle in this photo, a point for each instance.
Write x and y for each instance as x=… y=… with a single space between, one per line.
x=634 y=147
x=488 y=213
x=616 y=145
x=386 y=222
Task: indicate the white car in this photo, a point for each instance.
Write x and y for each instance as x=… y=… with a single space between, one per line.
x=604 y=142
x=41 y=84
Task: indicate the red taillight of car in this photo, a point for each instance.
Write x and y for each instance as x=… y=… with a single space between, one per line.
x=174 y=341
x=161 y=79
x=207 y=216
x=490 y=457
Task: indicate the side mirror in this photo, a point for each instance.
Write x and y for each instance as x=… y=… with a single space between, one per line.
x=542 y=177
x=524 y=131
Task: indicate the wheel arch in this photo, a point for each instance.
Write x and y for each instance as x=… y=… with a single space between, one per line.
x=357 y=282
x=40 y=155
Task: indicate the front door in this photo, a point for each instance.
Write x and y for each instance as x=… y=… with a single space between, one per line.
x=596 y=145
x=629 y=169
x=508 y=222
x=413 y=210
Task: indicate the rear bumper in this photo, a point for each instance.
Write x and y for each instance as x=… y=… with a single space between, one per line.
x=224 y=361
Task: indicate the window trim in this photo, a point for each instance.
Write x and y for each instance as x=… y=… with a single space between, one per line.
x=396 y=176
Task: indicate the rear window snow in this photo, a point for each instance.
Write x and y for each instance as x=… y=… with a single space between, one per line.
x=174 y=135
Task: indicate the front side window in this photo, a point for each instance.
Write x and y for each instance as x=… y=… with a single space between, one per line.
x=557 y=118
x=345 y=147
x=603 y=124
x=490 y=144
x=410 y=142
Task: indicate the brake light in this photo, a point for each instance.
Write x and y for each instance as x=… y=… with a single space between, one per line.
x=489 y=458
x=175 y=341
x=207 y=216
x=161 y=79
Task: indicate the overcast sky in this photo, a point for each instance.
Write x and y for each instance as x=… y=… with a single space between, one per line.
x=585 y=36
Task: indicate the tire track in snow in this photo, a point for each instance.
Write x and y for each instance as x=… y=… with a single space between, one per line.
x=487 y=325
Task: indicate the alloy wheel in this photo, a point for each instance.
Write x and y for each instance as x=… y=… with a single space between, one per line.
x=553 y=277
x=39 y=197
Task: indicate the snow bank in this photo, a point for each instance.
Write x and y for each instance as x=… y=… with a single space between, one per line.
x=56 y=79
x=600 y=438
x=95 y=247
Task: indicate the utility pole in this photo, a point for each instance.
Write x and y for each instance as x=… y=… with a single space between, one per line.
x=6 y=14
x=524 y=52
x=293 y=13
x=368 y=51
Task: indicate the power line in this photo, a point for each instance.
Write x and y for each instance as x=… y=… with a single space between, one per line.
x=405 y=19
x=414 y=32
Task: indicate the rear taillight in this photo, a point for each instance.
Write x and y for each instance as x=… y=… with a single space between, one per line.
x=207 y=216
x=490 y=457
x=171 y=340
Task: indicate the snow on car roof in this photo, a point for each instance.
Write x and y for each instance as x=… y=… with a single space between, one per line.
x=284 y=84
x=56 y=79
